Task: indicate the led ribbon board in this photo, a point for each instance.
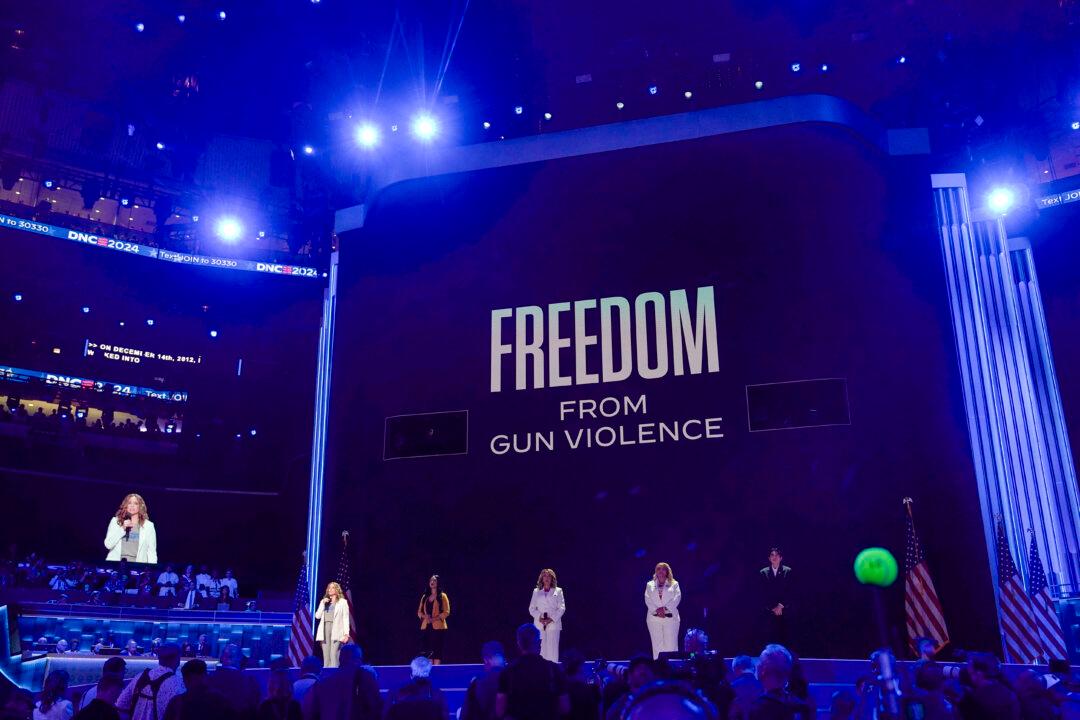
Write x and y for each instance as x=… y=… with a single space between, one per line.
x=146 y=251
x=14 y=374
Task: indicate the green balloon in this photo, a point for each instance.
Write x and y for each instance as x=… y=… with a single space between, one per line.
x=875 y=566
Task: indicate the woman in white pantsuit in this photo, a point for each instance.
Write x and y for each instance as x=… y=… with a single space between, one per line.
x=547 y=607
x=662 y=596
x=334 y=624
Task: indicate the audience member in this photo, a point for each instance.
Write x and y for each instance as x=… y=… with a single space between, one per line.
x=640 y=672
x=925 y=648
x=309 y=675
x=114 y=667
x=53 y=704
x=240 y=690
x=531 y=688
x=989 y=697
x=229 y=582
x=350 y=693
x=204 y=583
x=480 y=697
x=745 y=685
x=775 y=702
x=928 y=692
x=199 y=701
x=279 y=703
x=147 y=696
x=584 y=696
x=167 y=582
x=131 y=649
x=418 y=699
x=842 y=705
x=19 y=705
x=707 y=673
x=670 y=701
x=103 y=705
x=204 y=648
x=1036 y=701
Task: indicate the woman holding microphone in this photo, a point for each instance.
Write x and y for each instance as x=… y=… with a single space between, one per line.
x=662 y=596
x=433 y=611
x=334 y=624
x=547 y=608
x=130 y=535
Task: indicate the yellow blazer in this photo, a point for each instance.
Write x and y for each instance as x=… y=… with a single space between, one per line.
x=439 y=621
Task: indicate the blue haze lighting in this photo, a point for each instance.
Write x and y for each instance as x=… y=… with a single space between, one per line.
x=424 y=127
x=229 y=229
x=367 y=135
x=1000 y=200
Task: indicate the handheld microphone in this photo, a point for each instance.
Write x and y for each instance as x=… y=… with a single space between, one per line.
x=127 y=530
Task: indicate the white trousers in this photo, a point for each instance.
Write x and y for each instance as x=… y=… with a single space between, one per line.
x=549 y=640
x=664 y=633
x=331 y=654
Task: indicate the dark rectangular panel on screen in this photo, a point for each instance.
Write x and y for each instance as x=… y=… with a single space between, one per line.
x=797 y=404
x=426 y=435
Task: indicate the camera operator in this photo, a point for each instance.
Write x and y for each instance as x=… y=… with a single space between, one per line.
x=640 y=672
x=927 y=700
x=987 y=695
x=705 y=672
x=1037 y=702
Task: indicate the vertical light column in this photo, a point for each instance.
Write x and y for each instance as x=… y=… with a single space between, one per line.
x=1020 y=448
x=318 y=442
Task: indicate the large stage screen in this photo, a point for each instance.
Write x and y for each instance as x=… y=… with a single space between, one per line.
x=688 y=352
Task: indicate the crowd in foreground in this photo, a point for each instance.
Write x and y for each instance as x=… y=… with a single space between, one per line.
x=769 y=687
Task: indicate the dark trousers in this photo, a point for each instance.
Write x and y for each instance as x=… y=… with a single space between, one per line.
x=432 y=642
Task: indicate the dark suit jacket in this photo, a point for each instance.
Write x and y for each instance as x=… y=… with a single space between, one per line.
x=775 y=589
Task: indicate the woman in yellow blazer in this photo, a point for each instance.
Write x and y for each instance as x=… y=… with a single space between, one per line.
x=433 y=611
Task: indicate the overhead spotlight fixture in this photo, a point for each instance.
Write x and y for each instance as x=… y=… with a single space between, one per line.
x=1075 y=125
x=48 y=184
x=181 y=19
x=796 y=67
x=547 y=116
x=758 y=85
x=393 y=128
x=518 y=109
x=262 y=233
x=1000 y=200
x=85 y=309
x=213 y=333
x=309 y=150
x=56 y=351
x=121 y=323
x=653 y=89
x=229 y=229
x=194 y=218
x=139 y=27
x=901 y=60
x=125 y=202
x=253 y=433
x=619 y=105
x=487 y=125
x=424 y=127
x=150 y=322
x=367 y=135
x=159 y=145
x=688 y=94
x=221 y=15
x=824 y=67
x=17 y=297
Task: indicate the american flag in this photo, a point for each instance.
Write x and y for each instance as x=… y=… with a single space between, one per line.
x=301 y=640
x=1045 y=613
x=922 y=607
x=343 y=581
x=1020 y=632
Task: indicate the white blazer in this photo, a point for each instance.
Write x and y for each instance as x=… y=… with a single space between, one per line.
x=341 y=622
x=553 y=603
x=672 y=596
x=147 y=552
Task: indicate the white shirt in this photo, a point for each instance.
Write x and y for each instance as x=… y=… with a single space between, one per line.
x=667 y=596
x=147 y=552
x=60 y=710
x=143 y=710
x=205 y=584
x=231 y=584
x=168 y=578
x=551 y=602
x=340 y=620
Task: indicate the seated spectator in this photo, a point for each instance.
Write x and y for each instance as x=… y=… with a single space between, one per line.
x=480 y=697
x=745 y=685
x=1036 y=701
x=531 y=687
x=929 y=692
x=350 y=693
x=103 y=705
x=198 y=701
x=418 y=699
x=229 y=582
x=775 y=702
x=584 y=696
x=147 y=696
x=19 y=704
x=640 y=672
x=670 y=701
x=842 y=705
x=240 y=690
x=309 y=675
x=167 y=582
x=989 y=696
x=114 y=667
x=204 y=648
x=223 y=602
x=54 y=704
x=61 y=646
x=279 y=703
x=131 y=649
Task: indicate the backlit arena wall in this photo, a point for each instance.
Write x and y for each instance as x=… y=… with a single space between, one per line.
x=674 y=279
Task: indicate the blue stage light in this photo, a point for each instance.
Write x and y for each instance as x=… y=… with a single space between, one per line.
x=688 y=94
x=125 y=202
x=653 y=89
x=424 y=127
x=1000 y=200
x=139 y=27
x=159 y=145
x=1075 y=125
x=901 y=60
x=309 y=150
x=121 y=323
x=150 y=322
x=824 y=67
x=213 y=333
x=796 y=67
x=181 y=18
x=367 y=135
x=253 y=433
x=487 y=125
x=518 y=109
x=17 y=297
x=194 y=218
x=229 y=229
x=48 y=184
x=619 y=105
x=221 y=15
x=85 y=309
x=547 y=116
x=759 y=84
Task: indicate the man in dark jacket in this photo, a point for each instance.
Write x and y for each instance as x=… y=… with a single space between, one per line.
x=774 y=603
x=351 y=693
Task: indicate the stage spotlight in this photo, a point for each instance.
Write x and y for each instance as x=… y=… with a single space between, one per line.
x=181 y=19
x=121 y=323
x=221 y=15
x=688 y=94
x=901 y=60
x=159 y=145
x=253 y=433
x=139 y=27
x=309 y=150
x=229 y=229
x=48 y=184
x=85 y=309
x=194 y=218
x=759 y=84
x=125 y=202
x=1075 y=125
x=824 y=67
x=262 y=233
x=518 y=109
x=56 y=351
x=547 y=116
x=213 y=333
x=487 y=125
x=619 y=105
x=1000 y=200
x=796 y=67
x=17 y=297
x=424 y=127
x=367 y=135
x=150 y=322
x=653 y=89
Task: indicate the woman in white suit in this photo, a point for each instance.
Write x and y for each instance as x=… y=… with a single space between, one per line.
x=662 y=596
x=130 y=535
x=547 y=608
x=333 y=634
